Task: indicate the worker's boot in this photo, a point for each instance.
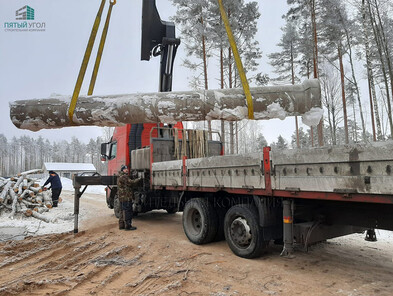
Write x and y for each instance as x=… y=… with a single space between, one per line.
x=121 y=224
x=129 y=226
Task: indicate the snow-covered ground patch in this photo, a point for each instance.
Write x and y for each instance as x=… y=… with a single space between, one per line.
x=62 y=217
x=383 y=237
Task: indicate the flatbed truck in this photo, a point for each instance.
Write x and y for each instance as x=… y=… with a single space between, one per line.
x=297 y=197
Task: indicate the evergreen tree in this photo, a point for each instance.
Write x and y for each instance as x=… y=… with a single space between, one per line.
x=261 y=142
x=304 y=139
x=280 y=144
x=286 y=60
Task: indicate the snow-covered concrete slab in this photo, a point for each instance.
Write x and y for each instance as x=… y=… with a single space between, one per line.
x=171 y=107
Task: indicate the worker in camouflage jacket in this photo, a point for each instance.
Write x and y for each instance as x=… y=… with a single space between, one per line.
x=126 y=186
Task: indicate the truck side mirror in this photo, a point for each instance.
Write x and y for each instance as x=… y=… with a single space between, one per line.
x=104 y=148
x=112 y=150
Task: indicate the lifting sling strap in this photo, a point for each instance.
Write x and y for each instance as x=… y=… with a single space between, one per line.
x=86 y=57
x=100 y=49
x=240 y=69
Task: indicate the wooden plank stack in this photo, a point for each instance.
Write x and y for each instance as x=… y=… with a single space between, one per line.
x=22 y=194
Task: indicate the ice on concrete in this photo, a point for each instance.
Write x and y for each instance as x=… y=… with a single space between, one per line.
x=312 y=117
x=117 y=110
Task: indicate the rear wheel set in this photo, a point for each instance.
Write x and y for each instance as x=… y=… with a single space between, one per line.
x=202 y=224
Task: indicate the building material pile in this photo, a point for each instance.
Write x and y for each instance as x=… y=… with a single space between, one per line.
x=170 y=107
x=22 y=194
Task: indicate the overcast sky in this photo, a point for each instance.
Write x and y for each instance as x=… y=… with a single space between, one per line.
x=38 y=64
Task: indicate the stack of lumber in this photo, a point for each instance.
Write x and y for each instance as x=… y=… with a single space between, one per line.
x=21 y=194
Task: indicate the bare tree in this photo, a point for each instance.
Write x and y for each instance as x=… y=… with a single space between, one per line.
x=331 y=100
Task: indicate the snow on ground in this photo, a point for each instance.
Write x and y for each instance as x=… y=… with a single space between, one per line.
x=384 y=237
x=62 y=217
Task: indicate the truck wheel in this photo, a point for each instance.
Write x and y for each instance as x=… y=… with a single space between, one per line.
x=199 y=221
x=116 y=206
x=242 y=232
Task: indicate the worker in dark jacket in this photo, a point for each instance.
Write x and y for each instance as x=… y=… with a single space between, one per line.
x=126 y=187
x=56 y=186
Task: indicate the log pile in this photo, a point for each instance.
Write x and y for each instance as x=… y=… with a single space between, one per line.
x=22 y=194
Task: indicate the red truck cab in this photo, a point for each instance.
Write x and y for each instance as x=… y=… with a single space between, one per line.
x=124 y=140
x=127 y=138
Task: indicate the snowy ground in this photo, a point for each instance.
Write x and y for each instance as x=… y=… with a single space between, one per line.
x=158 y=259
x=62 y=217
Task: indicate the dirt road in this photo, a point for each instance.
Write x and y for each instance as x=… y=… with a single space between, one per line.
x=158 y=259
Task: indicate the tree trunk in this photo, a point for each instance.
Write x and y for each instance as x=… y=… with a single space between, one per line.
x=6 y=188
x=371 y=109
x=237 y=137
x=297 y=133
x=376 y=108
x=231 y=135
x=328 y=105
x=312 y=136
x=18 y=182
x=383 y=68
x=354 y=82
x=293 y=82
x=209 y=123
x=41 y=217
x=222 y=87
x=35 y=189
x=385 y=48
x=315 y=55
x=30 y=204
x=35 y=171
x=47 y=199
x=14 y=198
x=231 y=138
x=343 y=95
x=314 y=29
x=41 y=210
x=370 y=78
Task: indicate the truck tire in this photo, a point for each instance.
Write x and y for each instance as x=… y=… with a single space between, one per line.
x=200 y=221
x=116 y=206
x=243 y=233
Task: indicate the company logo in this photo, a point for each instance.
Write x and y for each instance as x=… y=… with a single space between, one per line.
x=25 y=13
x=24 y=21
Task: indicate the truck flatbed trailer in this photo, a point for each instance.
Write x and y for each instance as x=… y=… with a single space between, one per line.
x=298 y=197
